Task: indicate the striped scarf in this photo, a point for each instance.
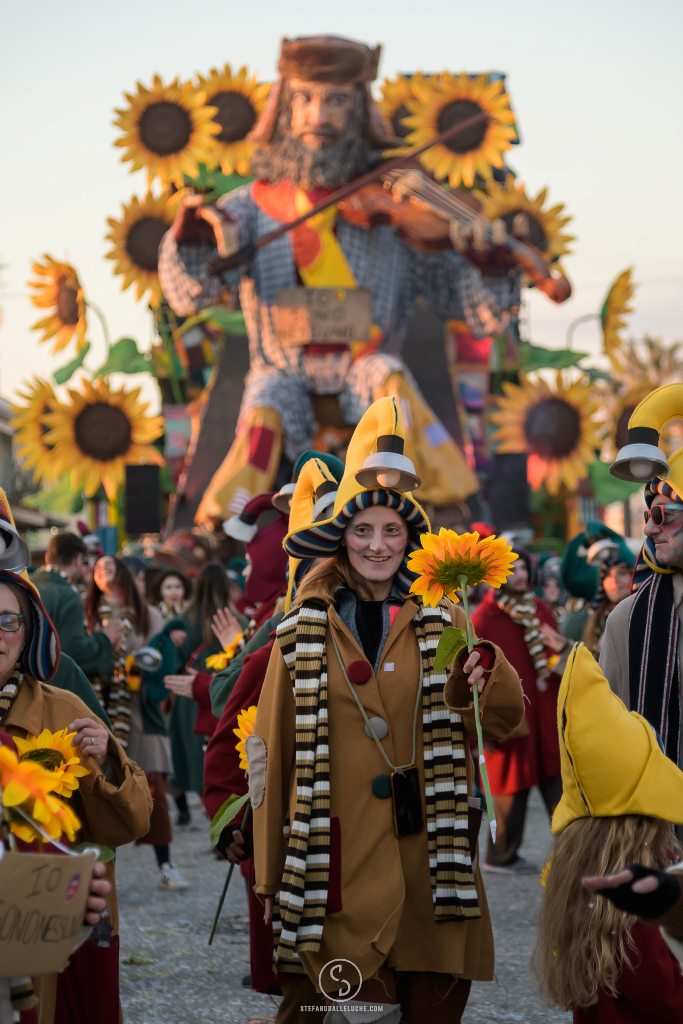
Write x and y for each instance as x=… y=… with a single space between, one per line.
x=300 y=908
x=522 y=610
x=8 y=694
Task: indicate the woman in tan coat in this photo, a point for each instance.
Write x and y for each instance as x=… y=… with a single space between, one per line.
x=112 y=801
x=359 y=768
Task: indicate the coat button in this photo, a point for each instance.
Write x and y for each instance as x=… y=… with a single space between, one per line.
x=379 y=725
x=381 y=786
x=359 y=672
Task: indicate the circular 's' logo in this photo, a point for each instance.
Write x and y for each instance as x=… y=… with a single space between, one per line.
x=73 y=887
x=343 y=978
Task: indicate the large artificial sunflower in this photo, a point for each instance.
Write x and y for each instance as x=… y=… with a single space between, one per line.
x=55 y=753
x=57 y=288
x=136 y=239
x=30 y=429
x=239 y=101
x=168 y=129
x=614 y=309
x=556 y=428
x=506 y=201
x=445 y=100
x=393 y=104
x=101 y=431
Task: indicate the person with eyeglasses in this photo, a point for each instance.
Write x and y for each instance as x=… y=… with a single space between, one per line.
x=642 y=644
x=112 y=802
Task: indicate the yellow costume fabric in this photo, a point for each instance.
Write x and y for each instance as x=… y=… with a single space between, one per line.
x=612 y=763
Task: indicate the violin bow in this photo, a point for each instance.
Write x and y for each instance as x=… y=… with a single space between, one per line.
x=247 y=252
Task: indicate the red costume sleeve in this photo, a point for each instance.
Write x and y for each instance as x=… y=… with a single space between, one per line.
x=222 y=773
x=654 y=987
x=206 y=722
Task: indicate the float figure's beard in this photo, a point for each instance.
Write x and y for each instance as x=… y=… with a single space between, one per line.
x=334 y=164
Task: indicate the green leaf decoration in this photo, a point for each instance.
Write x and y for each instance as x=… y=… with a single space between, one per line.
x=125 y=358
x=105 y=854
x=608 y=488
x=229 y=320
x=214 y=183
x=66 y=372
x=59 y=498
x=227 y=813
x=451 y=641
x=534 y=357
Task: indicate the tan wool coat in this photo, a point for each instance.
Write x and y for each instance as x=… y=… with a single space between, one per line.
x=387 y=914
x=114 y=808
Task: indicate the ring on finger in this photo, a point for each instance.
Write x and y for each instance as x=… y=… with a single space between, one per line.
x=93 y=741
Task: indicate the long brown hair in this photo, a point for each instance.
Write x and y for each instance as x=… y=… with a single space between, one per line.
x=324 y=578
x=211 y=591
x=583 y=940
x=129 y=597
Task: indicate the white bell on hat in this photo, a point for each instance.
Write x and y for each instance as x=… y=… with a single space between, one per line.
x=149 y=659
x=283 y=499
x=14 y=554
x=388 y=467
x=641 y=459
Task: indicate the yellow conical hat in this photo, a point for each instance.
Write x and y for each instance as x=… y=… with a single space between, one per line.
x=612 y=763
x=313 y=497
x=377 y=472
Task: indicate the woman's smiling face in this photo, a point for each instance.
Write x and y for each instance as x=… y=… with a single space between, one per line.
x=11 y=643
x=376 y=540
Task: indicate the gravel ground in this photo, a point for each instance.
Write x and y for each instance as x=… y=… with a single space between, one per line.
x=185 y=980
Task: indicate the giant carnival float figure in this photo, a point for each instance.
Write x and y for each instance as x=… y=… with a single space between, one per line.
x=328 y=303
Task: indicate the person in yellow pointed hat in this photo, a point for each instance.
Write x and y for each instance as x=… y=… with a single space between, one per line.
x=642 y=645
x=112 y=802
x=343 y=758
x=621 y=796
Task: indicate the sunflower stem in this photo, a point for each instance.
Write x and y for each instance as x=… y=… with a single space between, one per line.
x=477 y=717
x=575 y=323
x=105 y=330
x=245 y=819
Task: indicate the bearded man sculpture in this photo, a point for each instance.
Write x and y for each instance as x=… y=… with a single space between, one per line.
x=320 y=130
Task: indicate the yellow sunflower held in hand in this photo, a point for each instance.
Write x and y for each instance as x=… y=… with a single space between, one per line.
x=167 y=129
x=57 y=287
x=28 y=786
x=55 y=753
x=555 y=427
x=99 y=432
x=614 y=309
x=445 y=100
x=239 y=101
x=446 y=558
x=30 y=447
x=136 y=239
x=221 y=660
x=245 y=727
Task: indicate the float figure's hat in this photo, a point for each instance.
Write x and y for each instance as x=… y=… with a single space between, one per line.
x=330 y=60
x=611 y=759
x=377 y=473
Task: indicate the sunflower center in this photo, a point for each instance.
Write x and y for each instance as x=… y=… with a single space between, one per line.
x=165 y=128
x=399 y=129
x=236 y=116
x=103 y=432
x=536 y=236
x=552 y=428
x=67 y=304
x=143 y=240
x=456 y=112
x=49 y=758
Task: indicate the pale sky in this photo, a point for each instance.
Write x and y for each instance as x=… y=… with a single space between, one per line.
x=596 y=87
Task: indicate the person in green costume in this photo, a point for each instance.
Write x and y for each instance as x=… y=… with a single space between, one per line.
x=94 y=654
x=210 y=595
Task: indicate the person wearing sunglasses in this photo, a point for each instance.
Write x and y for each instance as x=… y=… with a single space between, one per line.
x=642 y=644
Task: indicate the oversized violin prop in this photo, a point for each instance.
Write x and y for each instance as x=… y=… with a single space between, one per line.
x=247 y=252
x=376 y=204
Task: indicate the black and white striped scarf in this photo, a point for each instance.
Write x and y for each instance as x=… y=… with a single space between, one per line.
x=654 y=675
x=300 y=907
x=522 y=610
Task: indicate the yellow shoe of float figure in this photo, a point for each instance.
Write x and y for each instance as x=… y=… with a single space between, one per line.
x=612 y=762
